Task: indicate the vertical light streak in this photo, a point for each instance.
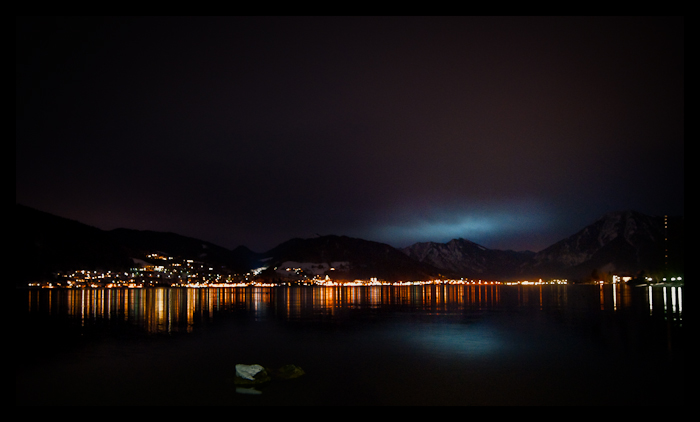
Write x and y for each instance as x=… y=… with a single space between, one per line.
x=665 y=302
x=83 y=305
x=109 y=304
x=673 y=300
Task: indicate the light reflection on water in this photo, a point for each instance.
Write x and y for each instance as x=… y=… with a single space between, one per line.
x=167 y=310
x=177 y=309
x=431 y=344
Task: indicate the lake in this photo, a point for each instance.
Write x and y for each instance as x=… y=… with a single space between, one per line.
x=371 y=345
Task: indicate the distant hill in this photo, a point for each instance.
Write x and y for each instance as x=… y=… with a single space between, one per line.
x=621 y=242
x=48 y=243
x=625 y=242
x=352 y=258
x=140 y=242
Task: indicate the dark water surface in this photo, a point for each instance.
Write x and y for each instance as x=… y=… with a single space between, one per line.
x=383 y=345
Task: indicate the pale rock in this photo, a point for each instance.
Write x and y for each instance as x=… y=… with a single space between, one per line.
x=248 y=371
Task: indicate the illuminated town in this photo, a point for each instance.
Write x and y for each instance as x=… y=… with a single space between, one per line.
x=195 y=274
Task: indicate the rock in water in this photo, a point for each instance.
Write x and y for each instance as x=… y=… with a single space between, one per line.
x=289 y=372
x=248 y=371
x=258 y=374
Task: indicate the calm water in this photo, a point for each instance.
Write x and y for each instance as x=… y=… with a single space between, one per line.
x=413 y=345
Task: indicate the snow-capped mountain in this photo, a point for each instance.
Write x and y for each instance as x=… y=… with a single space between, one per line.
x=625 y=241
x=466 y=258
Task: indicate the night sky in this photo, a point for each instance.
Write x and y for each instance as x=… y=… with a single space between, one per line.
x=510 y=132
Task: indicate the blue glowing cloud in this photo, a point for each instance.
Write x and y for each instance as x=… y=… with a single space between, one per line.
x=492 y=225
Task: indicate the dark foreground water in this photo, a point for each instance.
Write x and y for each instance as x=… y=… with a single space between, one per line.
x=412 y=345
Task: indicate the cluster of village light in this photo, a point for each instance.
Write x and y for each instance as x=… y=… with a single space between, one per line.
x=137 y=279
x=156 y=275
x=193 y=274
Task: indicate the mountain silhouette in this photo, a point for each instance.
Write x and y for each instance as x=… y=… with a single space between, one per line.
x=622 y=242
